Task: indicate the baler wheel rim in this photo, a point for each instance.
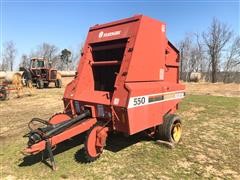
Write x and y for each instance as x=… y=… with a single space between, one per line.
x=176 y=131
x=92 y=151
x=170 y=130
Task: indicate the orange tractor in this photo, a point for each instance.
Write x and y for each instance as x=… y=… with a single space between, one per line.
x=127 y=81
x=41 y=74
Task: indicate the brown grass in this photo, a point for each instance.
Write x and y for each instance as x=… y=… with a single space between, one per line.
x=216 y=89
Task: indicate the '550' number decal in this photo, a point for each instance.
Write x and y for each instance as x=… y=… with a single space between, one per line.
x=139 y=101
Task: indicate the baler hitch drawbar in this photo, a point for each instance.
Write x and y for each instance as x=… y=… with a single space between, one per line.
x=49 y=130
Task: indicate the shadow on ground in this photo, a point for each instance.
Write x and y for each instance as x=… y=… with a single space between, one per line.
x=115 y=143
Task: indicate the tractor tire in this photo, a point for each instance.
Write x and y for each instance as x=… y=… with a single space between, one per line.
x=40 y=84
x=4 y=94
x=58 y=83
x=26 y=76
x=170 y=130
x=91 y=151
x=46 y=85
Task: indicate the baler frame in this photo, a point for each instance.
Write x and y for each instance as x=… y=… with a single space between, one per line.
x=127 y=81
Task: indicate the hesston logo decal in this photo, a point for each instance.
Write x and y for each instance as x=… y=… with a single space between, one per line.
x=108 y=34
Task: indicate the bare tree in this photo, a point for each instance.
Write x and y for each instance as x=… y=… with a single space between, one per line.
x=232 y=63
x=3 y=64
x=216 y=38
x=51 y=53
x=45 y=50
x=181 y=47
x=75 y=58
x=192 y=55
x=200 y=53
x=48 y=52
x=9 y=54
x=184 y=47
x=25 y=61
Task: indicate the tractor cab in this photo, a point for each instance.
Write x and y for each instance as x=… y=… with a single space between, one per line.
x=38 y=63
x=38 y=67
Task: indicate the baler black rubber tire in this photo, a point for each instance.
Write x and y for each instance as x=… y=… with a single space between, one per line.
x=87 y=157
x=160 y=134
x=58 y=83
x=164 y=131
x=40 y=84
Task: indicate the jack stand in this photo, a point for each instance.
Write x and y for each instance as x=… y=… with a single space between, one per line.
x=50 y=154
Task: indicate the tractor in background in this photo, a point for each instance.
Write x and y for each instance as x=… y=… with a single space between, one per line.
x=41 y=74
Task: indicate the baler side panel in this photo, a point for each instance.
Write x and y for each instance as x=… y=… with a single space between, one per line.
x=171 y=55
x=148 y=55
x=149 y=102
x=172 y=64
x=142 y=116
x=119 y=97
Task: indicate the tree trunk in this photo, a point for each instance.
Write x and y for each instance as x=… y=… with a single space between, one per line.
x=11 y=66
x=214 y=69
x=214 y=77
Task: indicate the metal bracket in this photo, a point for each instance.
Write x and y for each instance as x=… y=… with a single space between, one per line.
x=50 y=154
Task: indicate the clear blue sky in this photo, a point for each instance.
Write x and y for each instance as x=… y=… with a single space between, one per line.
x=66 y=23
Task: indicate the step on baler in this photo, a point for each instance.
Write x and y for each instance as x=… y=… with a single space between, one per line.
x=127 y=81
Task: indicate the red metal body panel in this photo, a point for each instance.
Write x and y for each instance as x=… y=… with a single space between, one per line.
x=149 y=51
x=128 y=74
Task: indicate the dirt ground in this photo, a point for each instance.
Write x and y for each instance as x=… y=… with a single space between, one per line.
x=209 y=147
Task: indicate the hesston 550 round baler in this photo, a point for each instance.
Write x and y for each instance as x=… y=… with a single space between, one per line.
x=127 y=81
